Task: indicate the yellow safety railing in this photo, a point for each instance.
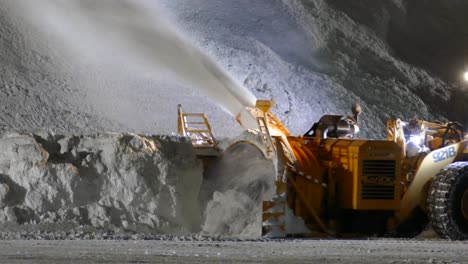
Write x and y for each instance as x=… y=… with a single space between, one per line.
x=196 y=127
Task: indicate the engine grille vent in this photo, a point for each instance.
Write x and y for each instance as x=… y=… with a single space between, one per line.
x=378 y=180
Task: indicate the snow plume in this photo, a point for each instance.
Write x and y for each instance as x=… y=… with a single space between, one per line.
x=136 y=34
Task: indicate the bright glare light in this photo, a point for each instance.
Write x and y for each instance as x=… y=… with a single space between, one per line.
x=466 y=76
x=415 y=139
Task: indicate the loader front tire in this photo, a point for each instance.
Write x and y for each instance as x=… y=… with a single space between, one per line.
x=448 y=202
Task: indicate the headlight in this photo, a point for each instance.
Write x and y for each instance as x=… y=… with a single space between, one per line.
x=415 y=139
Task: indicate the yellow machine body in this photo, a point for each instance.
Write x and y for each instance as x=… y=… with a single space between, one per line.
x=337 y=184
x=369 y=177
x=330 y=175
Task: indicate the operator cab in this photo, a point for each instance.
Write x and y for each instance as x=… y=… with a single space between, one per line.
x=422 y=136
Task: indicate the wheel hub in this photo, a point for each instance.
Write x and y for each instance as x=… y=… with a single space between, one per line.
x=464 y=204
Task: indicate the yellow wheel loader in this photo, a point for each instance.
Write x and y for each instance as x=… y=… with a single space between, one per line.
x=334 y=185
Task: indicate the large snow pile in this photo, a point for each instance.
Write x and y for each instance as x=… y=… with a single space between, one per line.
x=316 y=57
x=313 y=57
x=136 y=183
x=37 y=89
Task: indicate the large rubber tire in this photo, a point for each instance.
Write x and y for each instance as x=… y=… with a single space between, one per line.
x=448 y=202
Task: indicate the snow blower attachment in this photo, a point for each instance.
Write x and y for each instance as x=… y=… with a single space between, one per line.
x=330 y=184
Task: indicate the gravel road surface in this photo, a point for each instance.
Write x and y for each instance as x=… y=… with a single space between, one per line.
x=290 y=251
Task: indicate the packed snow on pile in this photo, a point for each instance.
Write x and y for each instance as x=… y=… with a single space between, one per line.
x=132 y=182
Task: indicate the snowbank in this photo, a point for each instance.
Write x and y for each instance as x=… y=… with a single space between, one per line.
x=137 y=183
x=131 y=183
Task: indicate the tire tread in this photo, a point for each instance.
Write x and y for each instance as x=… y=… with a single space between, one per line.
x=440 y=199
